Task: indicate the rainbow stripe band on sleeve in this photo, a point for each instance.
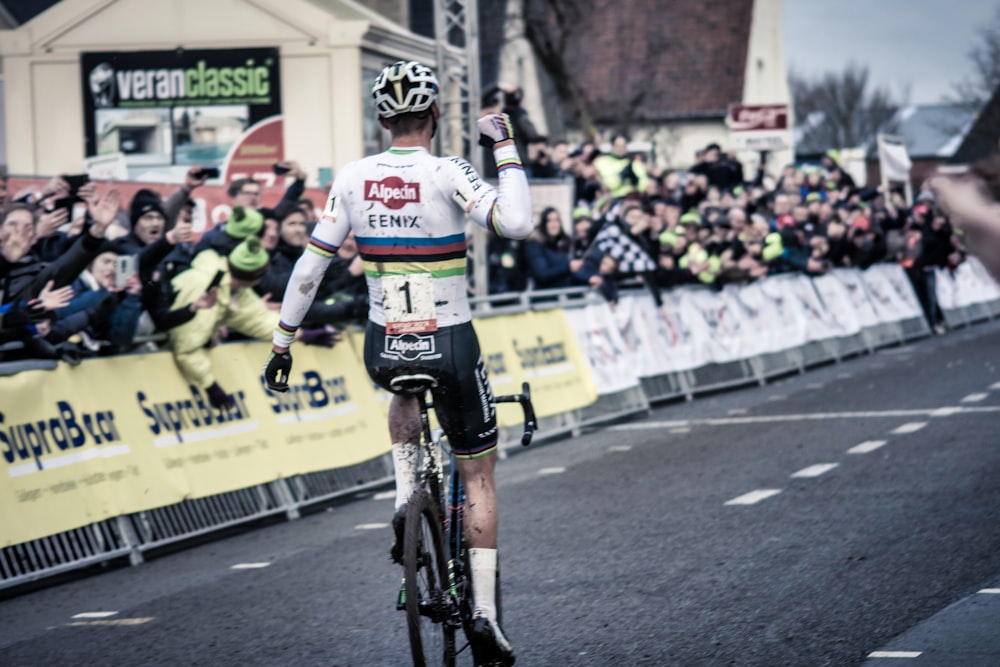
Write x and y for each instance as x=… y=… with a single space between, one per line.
x=321 y=248
x=491 y=220
x=508 y=163
x=285 y=329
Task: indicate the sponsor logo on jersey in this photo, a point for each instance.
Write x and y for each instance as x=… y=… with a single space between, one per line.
x=409 y=347
x=392 y=192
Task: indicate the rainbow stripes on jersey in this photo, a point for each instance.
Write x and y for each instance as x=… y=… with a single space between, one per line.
x=441 y=257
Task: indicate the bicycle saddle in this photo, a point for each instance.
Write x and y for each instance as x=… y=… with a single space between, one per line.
x=412 y=385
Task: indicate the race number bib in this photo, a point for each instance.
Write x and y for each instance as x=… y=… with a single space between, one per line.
x=408 y=301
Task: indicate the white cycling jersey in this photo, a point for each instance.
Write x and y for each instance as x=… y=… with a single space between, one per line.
x=407 y=209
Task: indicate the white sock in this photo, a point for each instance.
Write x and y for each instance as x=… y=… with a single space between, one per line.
x=483 y=563
x=404 y=459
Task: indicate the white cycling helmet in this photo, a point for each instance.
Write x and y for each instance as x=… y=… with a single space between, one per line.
x=404 y=87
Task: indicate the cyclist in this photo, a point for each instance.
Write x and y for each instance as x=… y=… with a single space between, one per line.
x=407 y=209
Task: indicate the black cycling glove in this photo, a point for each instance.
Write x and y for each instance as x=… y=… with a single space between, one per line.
x=218 y=397
x=276 y=371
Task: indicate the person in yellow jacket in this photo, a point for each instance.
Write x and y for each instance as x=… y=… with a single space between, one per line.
x=230 y=279
x=620 y=173
x=704 y=266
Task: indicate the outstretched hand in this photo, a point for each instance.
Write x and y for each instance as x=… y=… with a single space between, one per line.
x=54 y=299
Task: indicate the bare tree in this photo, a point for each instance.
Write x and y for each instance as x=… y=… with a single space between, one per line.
x=561 y=34
x=976 y=89
x=549 y=26
x=852 y=110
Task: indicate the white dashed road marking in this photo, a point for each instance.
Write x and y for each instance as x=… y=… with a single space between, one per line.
x=95 y=614
x=867 y=446
x=551 y=471
x=249 y=566
x=990 y=591
x=140 y=620
x=974 y=398
x=753 y=497
x=385 y=495
x=995 y=385
x=620 y=448
x=912 y=427
x=371 y=526
x=815 y=470
x=895 y=654
x=736 y=411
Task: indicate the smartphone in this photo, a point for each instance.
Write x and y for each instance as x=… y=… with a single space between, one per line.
x=66 y=203
x=76 y=181
x=216 y=280
x=207 y=172
x=280 y=168
x=125 y=267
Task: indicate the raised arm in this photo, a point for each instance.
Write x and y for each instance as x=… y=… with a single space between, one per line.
x=506 y=209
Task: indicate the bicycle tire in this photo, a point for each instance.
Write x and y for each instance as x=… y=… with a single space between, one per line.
x=425 y=567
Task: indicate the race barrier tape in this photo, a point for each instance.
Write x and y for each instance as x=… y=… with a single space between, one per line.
x=126 y=436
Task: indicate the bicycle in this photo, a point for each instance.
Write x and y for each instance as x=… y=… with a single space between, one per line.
x=436 y=591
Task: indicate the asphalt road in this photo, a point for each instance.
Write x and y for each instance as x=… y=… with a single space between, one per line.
x=809 y=522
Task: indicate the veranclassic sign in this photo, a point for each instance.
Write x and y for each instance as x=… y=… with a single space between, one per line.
x=155 y=103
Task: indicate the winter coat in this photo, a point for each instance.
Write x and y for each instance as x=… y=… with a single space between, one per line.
x=241 y=310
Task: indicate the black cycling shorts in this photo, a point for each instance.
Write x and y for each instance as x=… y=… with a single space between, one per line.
x=463 y=399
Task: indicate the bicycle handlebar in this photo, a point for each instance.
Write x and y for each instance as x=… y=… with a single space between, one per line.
x=524 y=398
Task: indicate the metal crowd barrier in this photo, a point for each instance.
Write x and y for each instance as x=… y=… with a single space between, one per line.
x=133 y=536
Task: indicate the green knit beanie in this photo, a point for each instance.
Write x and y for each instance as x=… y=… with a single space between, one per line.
x=248 y=261
x=243 y=222
x=691 y=218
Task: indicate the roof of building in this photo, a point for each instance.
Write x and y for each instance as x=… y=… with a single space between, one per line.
x=680 y=59
x=983 y=138
x=23 y=11
x=930 y=130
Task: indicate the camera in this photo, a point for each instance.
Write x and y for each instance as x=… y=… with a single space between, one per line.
x=76 y=181
x=207 y=172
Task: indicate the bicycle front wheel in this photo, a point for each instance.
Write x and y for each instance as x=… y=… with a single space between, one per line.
x=428 y=602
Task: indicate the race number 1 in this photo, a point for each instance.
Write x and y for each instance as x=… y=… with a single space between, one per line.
x=409 y=303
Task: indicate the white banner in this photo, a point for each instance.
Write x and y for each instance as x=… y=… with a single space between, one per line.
x=718 y=335
x=861 y=304
x=677 y=327
x=760 y=315
x=641 y=351
x=792 y=329
x=664 y=343
x=610 y=363
x=900 y=289
x=837 y=305
x=820 y=323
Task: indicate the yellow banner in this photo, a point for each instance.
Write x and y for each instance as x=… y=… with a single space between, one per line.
x=330 y=417
x=124 y=434
x=538 y=347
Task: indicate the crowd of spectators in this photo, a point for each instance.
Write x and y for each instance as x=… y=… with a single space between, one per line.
x=127 y=276
x=131 y=276
x=713 y=225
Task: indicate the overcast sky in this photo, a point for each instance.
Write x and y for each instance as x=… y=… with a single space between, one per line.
x=922 y=43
